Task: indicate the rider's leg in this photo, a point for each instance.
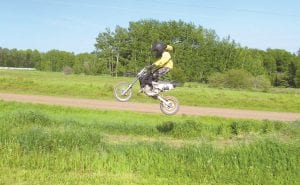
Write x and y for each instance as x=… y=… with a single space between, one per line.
x=146 y=84
x=155 y=77
x=147 y=80
x=160 y=72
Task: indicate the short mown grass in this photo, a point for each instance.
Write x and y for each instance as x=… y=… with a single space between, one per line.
x=42 y=144
x=101 y=87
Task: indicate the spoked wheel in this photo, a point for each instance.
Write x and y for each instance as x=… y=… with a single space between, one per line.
x=123 y=92
x=171 y=106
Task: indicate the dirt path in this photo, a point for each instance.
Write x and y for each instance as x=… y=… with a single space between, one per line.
x=150 y=108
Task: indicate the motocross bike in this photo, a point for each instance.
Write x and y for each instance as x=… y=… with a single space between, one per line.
x=168 y=105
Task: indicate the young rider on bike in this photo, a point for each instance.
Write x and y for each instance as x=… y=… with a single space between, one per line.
x=164 y=62
x=162 y=65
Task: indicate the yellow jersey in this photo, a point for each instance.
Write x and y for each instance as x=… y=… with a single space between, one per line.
x=165 y=61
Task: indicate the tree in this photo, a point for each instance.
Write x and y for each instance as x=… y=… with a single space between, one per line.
x=292 y=74
x=55 y=60
x=4 y=53
x=88 y=64
x=120 y=49
x=104 y=49
x=297 y=73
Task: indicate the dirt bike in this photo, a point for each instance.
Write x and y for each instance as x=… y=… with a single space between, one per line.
x=168 y=105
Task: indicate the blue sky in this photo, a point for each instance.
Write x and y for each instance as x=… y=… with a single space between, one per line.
x=73 y=25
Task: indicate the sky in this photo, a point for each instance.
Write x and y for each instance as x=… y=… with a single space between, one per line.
x=73 y=25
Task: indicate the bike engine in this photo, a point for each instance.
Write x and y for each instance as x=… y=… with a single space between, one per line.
x=163 y=86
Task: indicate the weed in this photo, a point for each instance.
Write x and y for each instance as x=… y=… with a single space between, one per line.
x=42 y=144
x=165 y=127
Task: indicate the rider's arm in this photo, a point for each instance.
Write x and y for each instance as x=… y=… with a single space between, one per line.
x=163 y=60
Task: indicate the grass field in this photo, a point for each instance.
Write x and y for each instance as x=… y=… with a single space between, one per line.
x=42 y=144
x=101 y=87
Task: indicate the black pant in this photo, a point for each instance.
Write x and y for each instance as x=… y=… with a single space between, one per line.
x=160 y=72
x=147 y=80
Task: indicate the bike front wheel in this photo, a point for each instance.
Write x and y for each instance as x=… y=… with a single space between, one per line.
x=171 y=106
x=123 y=91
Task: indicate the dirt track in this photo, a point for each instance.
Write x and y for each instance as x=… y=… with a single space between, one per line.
x=150 y=108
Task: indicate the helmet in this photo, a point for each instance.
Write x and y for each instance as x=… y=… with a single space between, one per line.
x=158 y=48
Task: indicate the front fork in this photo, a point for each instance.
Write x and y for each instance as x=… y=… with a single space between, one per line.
x=126 y=90
x=129 y=87
x=165 y=102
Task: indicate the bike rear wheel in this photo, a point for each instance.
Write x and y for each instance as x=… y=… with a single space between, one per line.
x=171 y=107
x=123 y=92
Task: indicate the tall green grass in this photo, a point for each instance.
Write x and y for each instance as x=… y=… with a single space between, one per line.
x=55 y=145
x=101 y=87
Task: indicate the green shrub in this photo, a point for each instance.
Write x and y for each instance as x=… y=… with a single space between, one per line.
x=68 y=70
x=235 y=78
x=261 y=82
x=239 y=79
x=217 y=80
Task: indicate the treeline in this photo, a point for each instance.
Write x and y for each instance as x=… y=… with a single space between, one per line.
x=53 y=60
x=198 y=54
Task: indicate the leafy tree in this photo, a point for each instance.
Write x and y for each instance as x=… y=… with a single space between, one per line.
x=297 y=75
x=4 y=53
x=88 y=64
x=105 y=50
x=292 y=74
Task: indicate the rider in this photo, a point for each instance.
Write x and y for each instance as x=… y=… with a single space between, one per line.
x=164 y=62
x=162 y=65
